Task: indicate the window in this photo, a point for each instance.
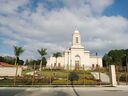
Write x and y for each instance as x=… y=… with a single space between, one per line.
x=51 y=65
x=54 y=64
x=93 y=65
x=76 y=39
x=97 y=66
x=59 y=65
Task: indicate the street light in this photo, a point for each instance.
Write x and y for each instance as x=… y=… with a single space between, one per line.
x=98 y=69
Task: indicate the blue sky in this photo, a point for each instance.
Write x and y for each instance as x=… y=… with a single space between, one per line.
x=120 y=7
x=33 y=24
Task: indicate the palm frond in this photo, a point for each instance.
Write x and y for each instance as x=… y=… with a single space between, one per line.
x=42 y=52
x=57 y=54
x=18 y=51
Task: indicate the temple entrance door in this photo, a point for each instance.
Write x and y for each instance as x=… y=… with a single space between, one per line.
x=77 y=65
x=77 y=62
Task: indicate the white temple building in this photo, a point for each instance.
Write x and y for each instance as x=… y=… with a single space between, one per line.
x=76 y=57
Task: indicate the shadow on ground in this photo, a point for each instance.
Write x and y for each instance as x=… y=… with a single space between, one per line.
x=38 y=92
x=9 y=92
x=75 y=91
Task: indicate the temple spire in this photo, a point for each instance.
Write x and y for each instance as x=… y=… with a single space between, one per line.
x=76 y=41
x=76 y=27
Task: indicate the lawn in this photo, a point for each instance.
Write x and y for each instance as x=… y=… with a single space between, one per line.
x=47 y=77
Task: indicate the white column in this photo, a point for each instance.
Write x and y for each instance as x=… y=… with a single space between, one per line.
x=113 y=75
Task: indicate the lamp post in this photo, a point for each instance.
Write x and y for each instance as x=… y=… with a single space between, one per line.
x=98 y=69
x=84 y=74
x=67 y=68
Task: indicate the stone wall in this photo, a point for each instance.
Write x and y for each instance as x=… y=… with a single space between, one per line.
x=10 y=71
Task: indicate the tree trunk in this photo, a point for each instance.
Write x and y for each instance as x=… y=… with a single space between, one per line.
x=40 y=65
x=16 y=65
x=33 y=77
x=56 y=63
x=16 y=61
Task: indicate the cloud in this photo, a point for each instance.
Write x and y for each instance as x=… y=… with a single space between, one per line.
x=100 y=5
x=52 y=29
x=10 y=42
x=10 y=6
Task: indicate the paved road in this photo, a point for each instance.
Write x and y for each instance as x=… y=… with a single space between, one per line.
x=65 y=91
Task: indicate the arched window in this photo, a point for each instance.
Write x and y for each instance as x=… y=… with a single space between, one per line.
x=93 y=66
x=77 y=40
x=59 y=65
x=54 y=64
x=97 y=66
x=77 y=57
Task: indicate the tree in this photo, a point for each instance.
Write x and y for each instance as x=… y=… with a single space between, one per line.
x=73 y=76
x=2 y=59
x=116 y=57
x=7 y=59
x=44 y=62
x=42 y=52
x=56 y=55
x=107 y=60
x=21 y=62
x=17 y=51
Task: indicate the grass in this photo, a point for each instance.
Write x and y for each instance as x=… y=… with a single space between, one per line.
x=55 y=77
x=63 y=73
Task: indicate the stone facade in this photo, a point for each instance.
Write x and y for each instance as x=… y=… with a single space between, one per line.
x=75 y=57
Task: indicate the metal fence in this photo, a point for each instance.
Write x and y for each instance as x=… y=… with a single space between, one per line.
x=58 y=77
x=122 y=75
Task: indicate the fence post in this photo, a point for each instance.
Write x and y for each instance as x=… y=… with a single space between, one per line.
x=51 y=75
x=84 y=74
x=99 y=75
x=126 y=72
x=113 y=75
x=67 y=73
x=118 y=74
x=33 y=77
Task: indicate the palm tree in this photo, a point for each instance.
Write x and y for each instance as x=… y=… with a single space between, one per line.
x=42 y=52
x=17 y=51
x=56 y=55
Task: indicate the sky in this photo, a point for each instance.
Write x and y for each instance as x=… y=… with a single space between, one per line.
x=35 y=24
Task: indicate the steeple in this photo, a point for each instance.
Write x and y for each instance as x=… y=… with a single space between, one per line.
x=76 y=39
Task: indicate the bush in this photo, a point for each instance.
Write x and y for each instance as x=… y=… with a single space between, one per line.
x=123 y=77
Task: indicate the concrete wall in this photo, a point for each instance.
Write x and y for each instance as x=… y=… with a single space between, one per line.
x=94 y=59
x=10 y=71
x=69 y=60
x=52 y=60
